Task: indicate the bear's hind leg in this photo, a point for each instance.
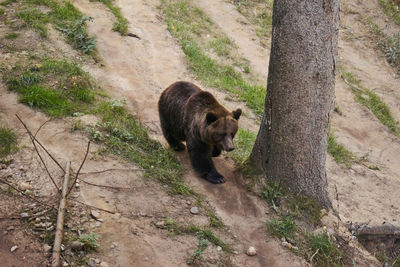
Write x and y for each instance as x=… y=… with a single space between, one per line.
x=200 y=157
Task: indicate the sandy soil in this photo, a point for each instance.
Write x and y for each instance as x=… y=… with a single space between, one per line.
x=139 y=70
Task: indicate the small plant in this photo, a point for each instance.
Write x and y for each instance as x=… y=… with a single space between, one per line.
x=12 y=35
x=282 y=227
x=121 y=25
x=271 y=193
x=305 y=207
x=244 y=142
x=201 y=247
x=90 y=242
x=325 y=253
x=8 y=141
x=391 y=9
x=78 y=37
x=339 y=153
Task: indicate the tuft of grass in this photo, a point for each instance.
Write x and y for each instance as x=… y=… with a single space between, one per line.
x=187 y=23
x=7 y=2
x=174 y=227
x=244 y=142
x=121 y=25
x=12 y=35
x=215 y=221
x=67 y=19
x=90 y=242
x=57 y=87
x=122 y=135
x=221 y=46
x=282 y=227
x=8 y=141
x=372 y=101
x=326 y=254
x=258 y=12
x=339 y=153
x=2 y=11
x=201 y=247
x=391 y=9
x=271 y=193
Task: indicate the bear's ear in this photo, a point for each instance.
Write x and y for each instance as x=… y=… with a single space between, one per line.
x=211 y=117
x=236 y=113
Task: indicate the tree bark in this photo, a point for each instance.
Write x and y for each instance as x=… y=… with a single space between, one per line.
x=292 y=142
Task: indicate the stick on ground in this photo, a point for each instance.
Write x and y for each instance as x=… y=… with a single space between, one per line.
x=55 y=261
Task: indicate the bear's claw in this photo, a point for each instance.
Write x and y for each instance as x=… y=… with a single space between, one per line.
x=215 y=177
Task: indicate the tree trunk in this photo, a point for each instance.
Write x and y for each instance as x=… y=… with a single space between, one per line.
x=292 y=142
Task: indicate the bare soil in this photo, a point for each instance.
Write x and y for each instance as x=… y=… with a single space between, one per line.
x=139 y=70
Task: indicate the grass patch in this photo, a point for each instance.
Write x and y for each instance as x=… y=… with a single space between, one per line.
x=282 y=227
x=372 y=101
x=66 y=18
x=7 y=2
x=122 y=135
x=391 y=9
x=326 y=254
x=12 y=35
x=56 y=87
x=306 y=208
x=8 y=141
x=121 y=25
x=90 y=242
x=201 y=247
x=205 y=233
x=187 y=23
x=258 y=12
x=244 y=142
x=339 y=153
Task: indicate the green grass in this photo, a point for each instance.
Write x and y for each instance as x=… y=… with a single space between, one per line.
x=372 y=101
x=244 y=142
x=7 y=2
x=8 y=141
x=259 y=12
x=197 y=256
x=282 y=227
x=56 y=87
x=391 y=9
x=90 y=242
x=326 y=254
x=188 y=24
x=12 y=35
x=205 y=233
x=305 y=208
x=339 y=153
x=221 y=46
x=121 y=25
x=64 y=16
x=122 y=135
x=2 y=11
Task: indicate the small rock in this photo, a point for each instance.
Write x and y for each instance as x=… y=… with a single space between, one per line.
x=14 y=248
x=283 y=239
x=62 y=247
x=146 y=259
x=114 y=245
x=95 y=214
x=285 y=244
x=21 y=168
x=10 y=228
x=251 y=251
x=25 y=186
x=100 y=220
x=116 y=216
x=97 y=224
x=295 y=248
x=160 y=224
x=46 y=248
x=235 y=252
x=76 y=245
x=104 y=264
x=97 y=261
x=194 y=210
x=77 y=185
x=219 y=248
x=24 y=214
x=37 y=220
x=188 y=202
x=91 y=262
x=65 y=264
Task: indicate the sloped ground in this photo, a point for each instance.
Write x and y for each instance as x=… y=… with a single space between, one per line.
x=139 y=70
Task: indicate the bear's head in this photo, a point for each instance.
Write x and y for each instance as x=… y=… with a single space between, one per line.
x=221 y=129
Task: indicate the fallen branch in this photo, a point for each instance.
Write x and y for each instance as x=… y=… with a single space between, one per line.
x=38 y=130
x=34 y=138
x=55 y=261
x=25 y=195
x=109 y=170
x=94 y=207
x=104 y=186
x=37 y=151
x=80 y=167
x=312 y=257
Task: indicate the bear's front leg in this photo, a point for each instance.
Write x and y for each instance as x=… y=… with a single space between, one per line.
x=200 y=157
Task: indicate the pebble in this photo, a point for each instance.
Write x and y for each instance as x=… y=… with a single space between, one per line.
x=24 y=214
x=25 y=186
x=235 y=252
x=95 y=214
x=65 y=264
x=38 y=220
x=10 y=228
x=46 y=248
x=116 y=216
x=219 y=248
x=14 y=248
x=160 y=224
x=285 y=244
x=146 y=259
x=114 y=245
x=251 y=251
x=194 y=210
x=76 y=245
x=104 y=264
x=97 y=261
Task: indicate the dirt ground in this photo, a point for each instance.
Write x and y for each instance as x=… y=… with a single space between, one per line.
x=139 y=70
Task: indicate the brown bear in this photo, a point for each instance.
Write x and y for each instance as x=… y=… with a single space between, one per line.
x=190 y=114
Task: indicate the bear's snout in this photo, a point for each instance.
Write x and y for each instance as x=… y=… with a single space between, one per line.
x=228 y=145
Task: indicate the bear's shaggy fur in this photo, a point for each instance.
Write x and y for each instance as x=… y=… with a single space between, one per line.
x=190 y=114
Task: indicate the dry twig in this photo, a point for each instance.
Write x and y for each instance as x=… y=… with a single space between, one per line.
x=80 y=167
